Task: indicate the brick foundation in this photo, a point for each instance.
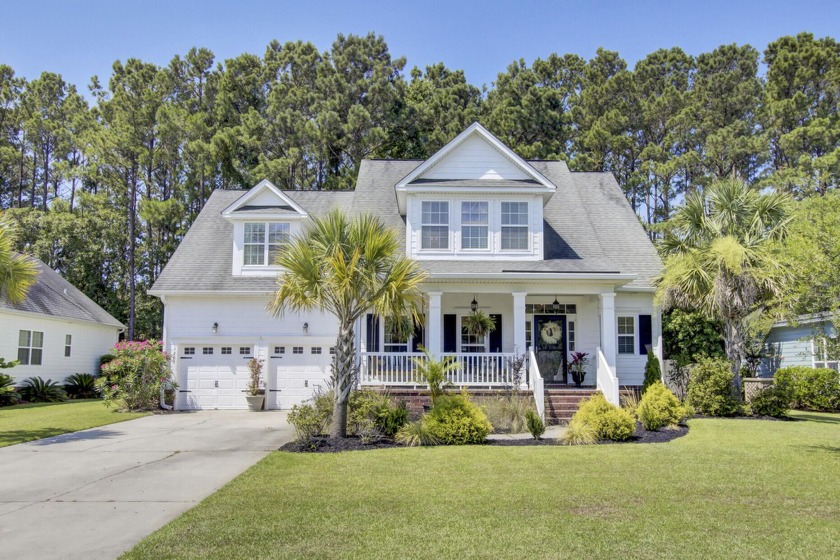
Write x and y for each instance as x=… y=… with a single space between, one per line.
x=416 y=399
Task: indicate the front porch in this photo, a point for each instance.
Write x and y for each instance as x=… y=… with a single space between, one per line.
x=535 y=333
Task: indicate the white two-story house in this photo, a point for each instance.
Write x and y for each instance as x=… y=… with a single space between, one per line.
x=557 y=259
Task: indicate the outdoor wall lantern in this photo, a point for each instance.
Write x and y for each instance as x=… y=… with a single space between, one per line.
x=473 y=304
x=215 y=327
x=306 y=327
x=556 y=305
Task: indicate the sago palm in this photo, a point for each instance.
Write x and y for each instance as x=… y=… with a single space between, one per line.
x=719 y=253
x=17 y=272
x=348 y=268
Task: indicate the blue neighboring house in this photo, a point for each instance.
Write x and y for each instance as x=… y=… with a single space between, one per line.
x=800 y=344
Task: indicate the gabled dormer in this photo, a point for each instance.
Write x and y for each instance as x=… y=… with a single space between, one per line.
x=474 y=199
x=264 y=219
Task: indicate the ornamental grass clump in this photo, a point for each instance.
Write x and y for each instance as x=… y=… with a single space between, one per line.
x=660 y=408
x=133 y=379
x=607 y=421
x=578 y=432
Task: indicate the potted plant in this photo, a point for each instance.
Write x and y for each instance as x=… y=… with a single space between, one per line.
x=255 y=393
x=578 y=367
x=478 y=323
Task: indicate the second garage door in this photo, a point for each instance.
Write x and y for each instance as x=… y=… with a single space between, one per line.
x=296 y=373
x=213 y=377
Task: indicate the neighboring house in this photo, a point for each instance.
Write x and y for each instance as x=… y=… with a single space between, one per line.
x=557 y=259
x=800 y=344
x=56 y=331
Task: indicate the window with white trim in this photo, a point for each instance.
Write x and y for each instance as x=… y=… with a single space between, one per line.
x=570 y=335
x=279 y=349
x=68 y=345
x=244 y=350
x=297 y=349
x=471 y=342
x=514 y=226
x=474 y=224
x=434 y=225
x=627 y=335
x=30 y=348
x=393 y=339
x=207 y=350
x=189 y=351
x=826 y=353
x=315 y=350
x=227 y=350
x=263 y=241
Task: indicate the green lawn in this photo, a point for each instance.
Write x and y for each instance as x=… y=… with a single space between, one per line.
x=26 y=422
x=729 y=489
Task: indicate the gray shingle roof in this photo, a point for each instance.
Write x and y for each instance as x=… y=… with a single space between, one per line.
x=588 y=227
x=53 y=295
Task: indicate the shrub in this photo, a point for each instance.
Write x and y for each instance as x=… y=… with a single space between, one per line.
x=578 y=432
x=455 y=420
x=653 y=374
x=8 y=394
x=659 y=407
x=134 y=378
x=507 y=412
x=416 y=433
x=372 y=413
x=81 y=386
x=309 y=420
x=773 y=401
x=535 y=424
x=606 y=420
x=35 y=389
x=710 y=389
x=810 y=388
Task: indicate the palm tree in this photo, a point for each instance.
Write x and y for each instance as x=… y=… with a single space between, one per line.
x=719 y=253
x=348 y=268
x=17 y=272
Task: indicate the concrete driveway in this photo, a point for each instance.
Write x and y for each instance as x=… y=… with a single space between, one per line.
x=96 y=493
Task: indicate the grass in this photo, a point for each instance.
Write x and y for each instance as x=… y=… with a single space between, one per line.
x=729 y=489
x=27 y=422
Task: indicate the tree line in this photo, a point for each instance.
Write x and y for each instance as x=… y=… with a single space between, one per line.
x=104 y=190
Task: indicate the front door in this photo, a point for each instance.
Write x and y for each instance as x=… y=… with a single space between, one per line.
x=550 y=336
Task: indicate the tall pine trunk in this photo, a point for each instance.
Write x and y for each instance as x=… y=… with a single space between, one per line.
x=343 y=379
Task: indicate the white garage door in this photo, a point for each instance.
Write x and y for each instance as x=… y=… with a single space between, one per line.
x=297 y=371
x=213 y=376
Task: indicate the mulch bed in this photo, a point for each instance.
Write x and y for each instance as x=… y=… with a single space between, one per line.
x=325 y=444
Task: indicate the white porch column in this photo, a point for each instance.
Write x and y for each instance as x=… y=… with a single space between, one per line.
x=519 y=323
x=434 y=320
x=609 y=338
x=656 y=327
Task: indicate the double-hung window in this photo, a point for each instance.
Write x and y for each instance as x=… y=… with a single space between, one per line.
x=514 y=226
x=826 y=354
x=396 y=339
x=435 y=225
x=263 y=242
x=30 y=348
x=68 y=345
x=626 y=335
x=474 y=225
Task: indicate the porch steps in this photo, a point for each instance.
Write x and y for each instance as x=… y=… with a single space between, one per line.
x=561 y=402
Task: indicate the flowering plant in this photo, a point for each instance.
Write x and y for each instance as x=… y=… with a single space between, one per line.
x=578 y=366
x=133 y=379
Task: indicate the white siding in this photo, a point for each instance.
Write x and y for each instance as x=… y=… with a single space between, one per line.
x=89 y=342
x=475 y=158
x=630 y=368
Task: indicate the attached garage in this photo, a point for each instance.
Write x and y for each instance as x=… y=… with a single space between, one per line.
x=296 y=372
x=213 y=376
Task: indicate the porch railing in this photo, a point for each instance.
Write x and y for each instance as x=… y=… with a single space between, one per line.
x=400 y=369
x=536 y=383
x=607 y=379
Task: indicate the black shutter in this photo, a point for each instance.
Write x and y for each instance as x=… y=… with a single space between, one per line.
x=372 y=333
x=450 y=333
x=645 y=333
x=419 y=335
x=496 y=335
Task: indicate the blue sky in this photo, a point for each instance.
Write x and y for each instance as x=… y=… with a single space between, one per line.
x=80 y=38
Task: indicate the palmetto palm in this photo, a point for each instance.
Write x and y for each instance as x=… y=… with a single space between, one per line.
x=17 y=272
x=348 y=268
x=719 y=253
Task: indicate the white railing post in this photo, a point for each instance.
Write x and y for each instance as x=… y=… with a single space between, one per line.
x=607 y=380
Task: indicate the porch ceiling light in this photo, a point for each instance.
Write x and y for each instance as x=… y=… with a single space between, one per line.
x=556 y=305
x=215 y=327
x=473 y=304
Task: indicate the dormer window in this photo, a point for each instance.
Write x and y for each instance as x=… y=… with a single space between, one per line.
x=474 y=225
x=435 y=225
x=514 y=226
x=263 y=241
